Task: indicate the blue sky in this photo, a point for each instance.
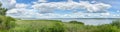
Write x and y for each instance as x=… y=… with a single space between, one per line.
x=62 y=8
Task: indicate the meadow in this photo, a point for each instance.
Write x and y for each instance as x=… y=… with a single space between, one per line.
x=15 y=25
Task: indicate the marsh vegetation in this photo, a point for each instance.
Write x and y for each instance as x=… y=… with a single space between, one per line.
x=55 y=26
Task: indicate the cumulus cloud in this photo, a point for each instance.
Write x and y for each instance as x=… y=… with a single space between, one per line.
x=116 y=16
x=105 y=14
x=21 y=5
x=71 y=5
x=42 y=9
x=28 y=13
x=17 y=11
x=118 y=11
x=21 y=12
x=70 y=0
x=8 y=3
x=42 y=1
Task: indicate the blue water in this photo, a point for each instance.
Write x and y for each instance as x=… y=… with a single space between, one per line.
x=89 y=21
x=86 y=21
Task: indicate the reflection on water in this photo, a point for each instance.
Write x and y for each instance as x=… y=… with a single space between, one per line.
x=88 y=21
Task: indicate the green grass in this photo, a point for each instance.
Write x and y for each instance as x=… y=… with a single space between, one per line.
x=38 y=25
x=59 y=26
x=35 y=25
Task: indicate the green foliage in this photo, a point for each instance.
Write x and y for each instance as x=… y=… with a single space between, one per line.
x=6 y=22
x=0 y=4
x=76 y=22
x=58 y=26
x=39 y=26
x=106 y=28
x=116 y=23
x=2 y=10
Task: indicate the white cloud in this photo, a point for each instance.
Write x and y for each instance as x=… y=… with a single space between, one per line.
x=26 y=13
x=13 y=11
x=21 y=5
x=70 y=0
x=115 y=15
x=20 y=11
x=8 y=3
x=46 y=9
x=42 y=1
x=118 y=10
x=98 y=7
x=71 y=5
x=93 y=2
x=105 y=14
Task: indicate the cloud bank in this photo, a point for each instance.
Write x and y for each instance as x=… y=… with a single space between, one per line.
x=9 y=4
x=70 y=5
x=44 y=9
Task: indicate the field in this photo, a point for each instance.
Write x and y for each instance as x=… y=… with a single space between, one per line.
x=58 y=26
x=8 y=24
x=44 y=26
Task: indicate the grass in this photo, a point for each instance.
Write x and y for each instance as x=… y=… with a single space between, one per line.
x=59 y=26
x=37 y=25
x=34 y=25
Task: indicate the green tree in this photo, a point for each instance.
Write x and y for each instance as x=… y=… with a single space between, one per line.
x=2 y=10
x=5 y=22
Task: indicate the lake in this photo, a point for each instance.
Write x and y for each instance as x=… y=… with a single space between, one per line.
x=88 y=21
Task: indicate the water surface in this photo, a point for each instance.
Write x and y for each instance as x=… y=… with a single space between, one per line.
x=89 y=21
x=86 y=21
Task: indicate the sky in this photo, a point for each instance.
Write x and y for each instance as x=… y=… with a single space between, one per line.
x=62 y=8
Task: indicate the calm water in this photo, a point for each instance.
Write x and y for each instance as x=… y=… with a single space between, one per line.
x=88 y=21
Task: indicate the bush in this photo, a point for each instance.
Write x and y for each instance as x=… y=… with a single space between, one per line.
x=6 y=22
x=57 y=27
x=116 y=23
x=76 y=22
x=106 y=28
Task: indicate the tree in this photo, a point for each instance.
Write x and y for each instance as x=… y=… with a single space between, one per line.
x=5 y=21
x=2 y=10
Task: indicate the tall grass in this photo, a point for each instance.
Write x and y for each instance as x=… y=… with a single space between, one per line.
x=8 y=24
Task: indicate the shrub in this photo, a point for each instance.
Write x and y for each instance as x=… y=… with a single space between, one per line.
x=57 y=27
x=76 y=22
x=106 y=28
x=116 y=23
x=6 y=22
